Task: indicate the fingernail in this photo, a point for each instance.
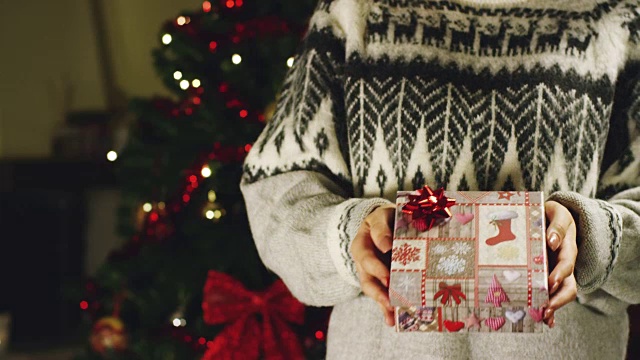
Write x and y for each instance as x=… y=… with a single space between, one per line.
x=554 y=287
x=548 y=313
x=553 y=241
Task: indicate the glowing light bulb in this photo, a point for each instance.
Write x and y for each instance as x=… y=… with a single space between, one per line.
x=177 y=75
x=206 y=6
x=195 y=83
x=217 y=214
x=176 y=322
x=209 y=214
x=206 y=171
x=290 y=61
x=184 y=84
x=161 y=205
x=212 y=196
x=236 y=59
x=112 y=155
x=147 y=207
x=181 y=20
x=166 y=39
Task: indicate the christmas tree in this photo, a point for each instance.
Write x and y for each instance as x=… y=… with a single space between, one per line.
x=189 y=282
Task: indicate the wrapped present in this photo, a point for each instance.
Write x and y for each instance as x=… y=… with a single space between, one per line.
x=465 y=261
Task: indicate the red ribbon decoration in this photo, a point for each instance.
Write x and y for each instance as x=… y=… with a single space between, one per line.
x=449 y=292
x=428 y=207
x=247 y=336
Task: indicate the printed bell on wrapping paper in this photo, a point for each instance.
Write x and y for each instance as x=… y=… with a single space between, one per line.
x=427 y=208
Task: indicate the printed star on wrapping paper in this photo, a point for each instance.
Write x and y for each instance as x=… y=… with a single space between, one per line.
x=473 y=321
x=505 y=195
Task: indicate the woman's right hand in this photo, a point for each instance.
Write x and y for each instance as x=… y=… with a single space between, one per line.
x=371 y=251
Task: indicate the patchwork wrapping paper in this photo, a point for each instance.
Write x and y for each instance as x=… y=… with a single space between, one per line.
x=484 y=269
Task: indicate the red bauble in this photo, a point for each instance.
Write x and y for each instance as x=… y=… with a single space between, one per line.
x=108 y=335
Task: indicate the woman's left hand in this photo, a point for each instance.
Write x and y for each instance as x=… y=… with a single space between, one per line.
x=561 y=239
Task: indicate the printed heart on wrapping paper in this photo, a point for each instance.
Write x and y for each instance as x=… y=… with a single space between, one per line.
x=511 y=275
x=538 y=259
x=464 y=218
x=453 y=326
x=514 y=316
x=495 y=323
x=536 y=314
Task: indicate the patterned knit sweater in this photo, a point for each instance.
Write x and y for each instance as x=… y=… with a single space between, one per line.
x=468 y=95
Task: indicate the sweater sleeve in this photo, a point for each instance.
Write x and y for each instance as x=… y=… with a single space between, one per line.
x=296 y=181
x=609 y=226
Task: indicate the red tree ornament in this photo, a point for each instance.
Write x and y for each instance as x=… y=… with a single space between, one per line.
x=428 y=207
x=258 y=321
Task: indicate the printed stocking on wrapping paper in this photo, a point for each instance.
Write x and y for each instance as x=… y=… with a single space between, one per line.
x=502 y=220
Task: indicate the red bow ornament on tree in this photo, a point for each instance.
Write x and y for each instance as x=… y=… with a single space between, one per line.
x=258 y=321
x=449 y=292
x=427 y=207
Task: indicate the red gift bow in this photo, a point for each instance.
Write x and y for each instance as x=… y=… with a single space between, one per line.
x=428 y=207
x=226 y=300
x=449 y=292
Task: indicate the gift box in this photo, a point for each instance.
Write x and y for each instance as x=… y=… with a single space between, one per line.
x=465 y=261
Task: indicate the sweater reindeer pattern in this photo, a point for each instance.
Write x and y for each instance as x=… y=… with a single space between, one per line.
x=389 y=95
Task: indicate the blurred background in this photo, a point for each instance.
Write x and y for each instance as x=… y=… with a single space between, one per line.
x=123 y=126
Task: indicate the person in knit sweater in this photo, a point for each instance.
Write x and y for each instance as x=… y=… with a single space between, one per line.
x=389 y=95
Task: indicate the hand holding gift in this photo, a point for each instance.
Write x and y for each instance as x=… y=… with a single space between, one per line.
x=561 y=239
x=371 y=250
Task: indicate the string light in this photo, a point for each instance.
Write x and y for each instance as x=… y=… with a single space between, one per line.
x=179 y=322
x=290 y=61
x=161 y=205
x=184 y=84
x=230 y=4
x=209 y=214
x=236 y=59
x=147 y=207
x=112 y=155
x=206 y=171
x=213 y=45
x=166 y=39
x=181 y=20
x=177 y=75
x=84 y=305
x=206 y=6
x=212 y=196
x=244 y=113
x=195 y=83
x=217 y=214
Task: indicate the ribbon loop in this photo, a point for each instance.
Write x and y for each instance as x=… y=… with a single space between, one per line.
x=226 y=300
x=428 y=207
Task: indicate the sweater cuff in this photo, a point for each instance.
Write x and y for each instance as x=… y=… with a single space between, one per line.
x=599 y=227
x=342 y=228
